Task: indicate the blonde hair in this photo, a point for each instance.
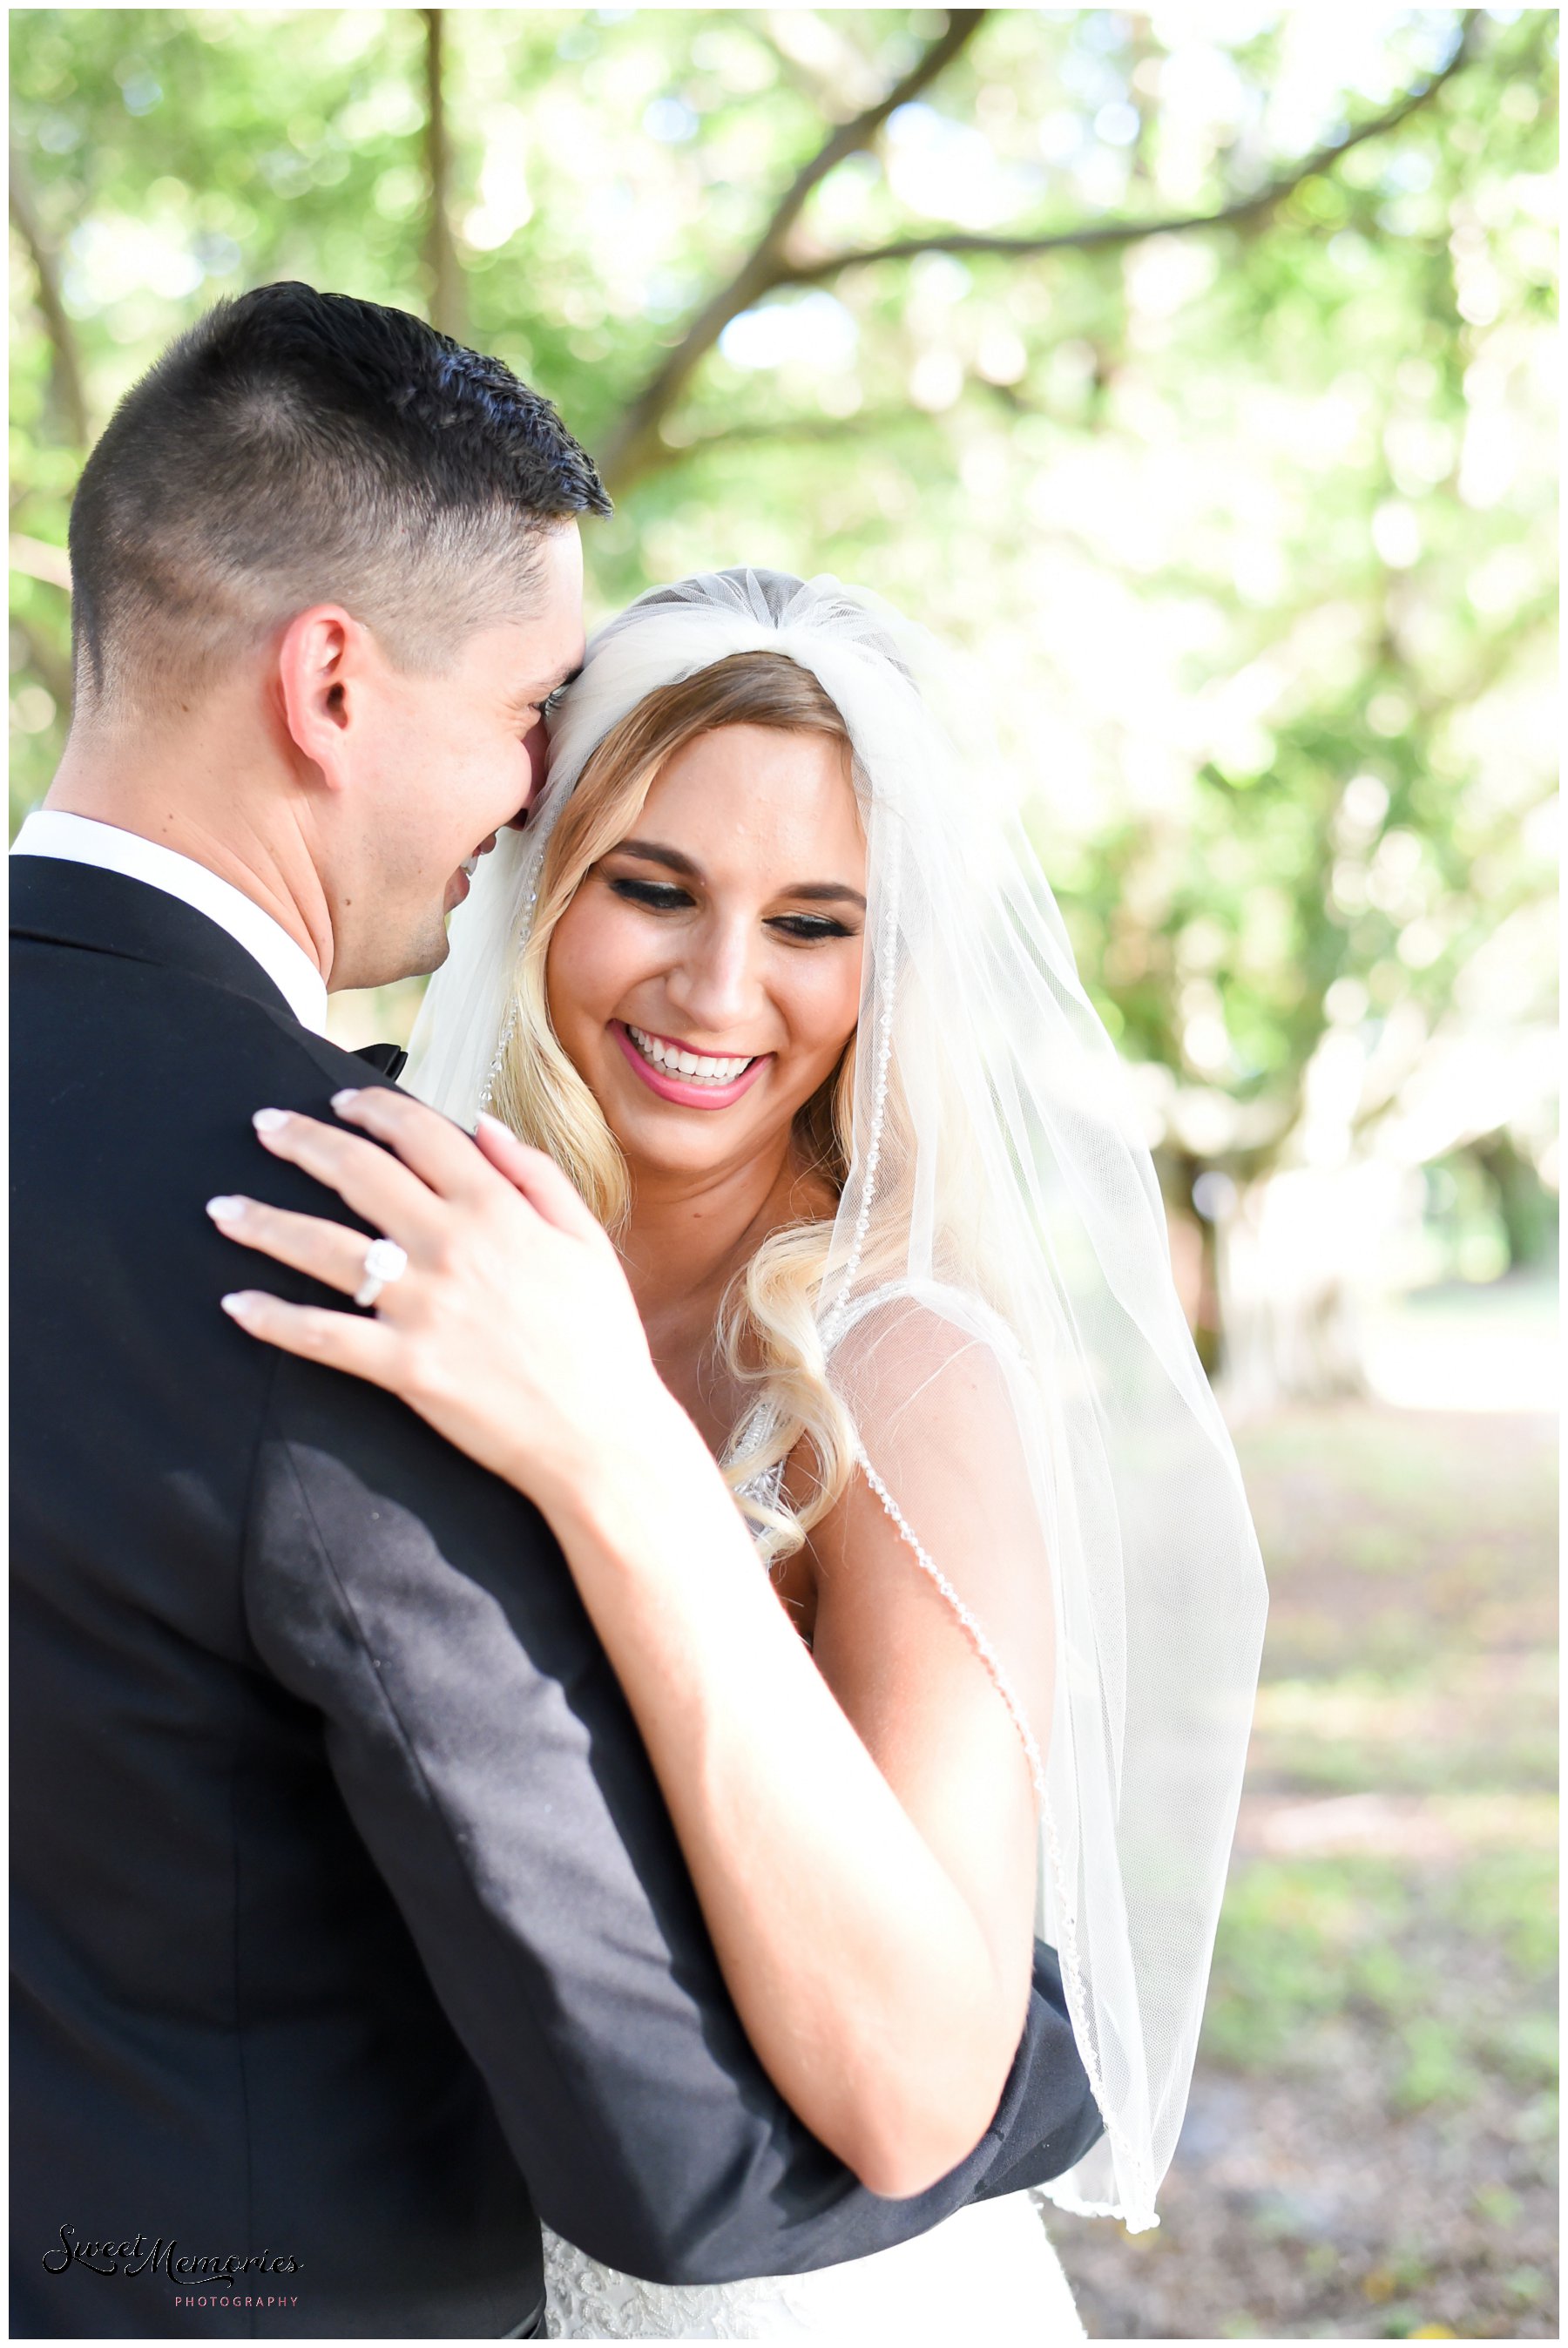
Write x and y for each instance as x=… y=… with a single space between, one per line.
x=767 y=1334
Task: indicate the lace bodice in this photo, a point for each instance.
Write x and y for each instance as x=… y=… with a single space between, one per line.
x=988 y=2273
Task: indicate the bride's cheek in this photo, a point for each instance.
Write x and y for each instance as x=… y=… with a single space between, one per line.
x=562 y=965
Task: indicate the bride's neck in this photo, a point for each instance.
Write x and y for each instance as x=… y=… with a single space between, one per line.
x=686 y=1237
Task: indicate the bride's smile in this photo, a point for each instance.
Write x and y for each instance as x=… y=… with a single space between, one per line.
x=706 y=978
x=678 y=1071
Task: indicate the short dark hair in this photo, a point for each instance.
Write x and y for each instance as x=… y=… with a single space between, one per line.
x=297 y=448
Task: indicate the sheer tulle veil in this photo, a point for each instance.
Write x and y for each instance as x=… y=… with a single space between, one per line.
x=1001 y=1200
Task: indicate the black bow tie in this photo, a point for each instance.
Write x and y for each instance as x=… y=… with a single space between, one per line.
x=387 y=1059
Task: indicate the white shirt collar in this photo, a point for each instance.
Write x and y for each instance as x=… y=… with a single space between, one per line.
x=82 y=839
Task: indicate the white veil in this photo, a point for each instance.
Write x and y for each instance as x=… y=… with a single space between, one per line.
x=1002 y=1225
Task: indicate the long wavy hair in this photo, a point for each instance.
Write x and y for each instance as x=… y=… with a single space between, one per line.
x=767 y=1334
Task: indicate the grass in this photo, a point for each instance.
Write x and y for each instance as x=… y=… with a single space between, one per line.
x=1369 y=2148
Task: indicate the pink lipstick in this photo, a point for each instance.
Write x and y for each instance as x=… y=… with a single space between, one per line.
x=673 y=1089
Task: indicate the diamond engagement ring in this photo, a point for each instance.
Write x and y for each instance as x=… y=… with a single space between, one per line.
x=384 y=1262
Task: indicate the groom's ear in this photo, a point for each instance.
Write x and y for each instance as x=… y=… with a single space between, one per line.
x=320 y=661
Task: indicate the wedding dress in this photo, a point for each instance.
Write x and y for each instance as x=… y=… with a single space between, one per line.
x=988 y=2273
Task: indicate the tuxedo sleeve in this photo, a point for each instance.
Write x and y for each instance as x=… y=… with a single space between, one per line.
x=489 y=1762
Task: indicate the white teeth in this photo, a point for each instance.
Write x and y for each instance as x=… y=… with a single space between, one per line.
x=698 y=1067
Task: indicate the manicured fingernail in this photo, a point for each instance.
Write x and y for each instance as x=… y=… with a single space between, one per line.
x=225 y=1210
x=345 y=1099
x=238 y=1305
x=269 y=1121
x=485 y=1122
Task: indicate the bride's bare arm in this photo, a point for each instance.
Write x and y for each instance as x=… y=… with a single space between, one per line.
x=859 y=1827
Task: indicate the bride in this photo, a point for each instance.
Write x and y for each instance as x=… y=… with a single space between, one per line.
x=810 y=1230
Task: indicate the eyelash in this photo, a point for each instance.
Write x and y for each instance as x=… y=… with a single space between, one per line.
x=663 y=897
x=547 y=707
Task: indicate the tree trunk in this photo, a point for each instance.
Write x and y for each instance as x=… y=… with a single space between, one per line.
x=448 y=309
x=1194 y=1246
x=1301 y=1257
x=69 y=397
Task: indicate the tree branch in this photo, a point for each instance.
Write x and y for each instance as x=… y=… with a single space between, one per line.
x=68 y=371
x=880 y=422
x=634 y=447
x=666 y=455
x=51 y=668
x=634 y=439
x=35 y=558
x=1102 y=236
x=818 y=87
x=447 y=307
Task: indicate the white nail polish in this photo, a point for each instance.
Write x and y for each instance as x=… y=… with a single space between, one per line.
x=269 y=1121
x=237 y=1305
x=344 y=1099
x=225 y=1210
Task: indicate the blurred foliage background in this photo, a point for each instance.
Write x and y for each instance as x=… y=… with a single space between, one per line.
x=1193 y=367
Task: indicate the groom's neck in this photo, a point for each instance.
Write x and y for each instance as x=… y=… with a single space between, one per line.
x=194 y=791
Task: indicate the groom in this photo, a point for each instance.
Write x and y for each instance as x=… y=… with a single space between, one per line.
x=351 y=1931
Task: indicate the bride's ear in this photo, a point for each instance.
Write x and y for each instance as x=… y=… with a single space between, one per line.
x=320 y=657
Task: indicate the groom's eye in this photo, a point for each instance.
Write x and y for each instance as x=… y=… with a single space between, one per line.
x=532 y=711
x=662 y=895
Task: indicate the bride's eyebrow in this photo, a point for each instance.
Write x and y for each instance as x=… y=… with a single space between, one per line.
x=825 y=893
x=814 y=892
x=648 y=851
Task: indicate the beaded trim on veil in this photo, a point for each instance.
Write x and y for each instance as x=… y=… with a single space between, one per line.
x=763 y=1489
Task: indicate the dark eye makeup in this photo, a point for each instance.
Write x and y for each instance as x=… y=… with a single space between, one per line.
x=662 y=895
x=665 y=897
x=811 y=925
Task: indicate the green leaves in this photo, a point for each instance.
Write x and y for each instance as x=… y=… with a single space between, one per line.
x=1233 y=517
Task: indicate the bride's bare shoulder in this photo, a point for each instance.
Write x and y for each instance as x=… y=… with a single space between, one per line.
x=924 y=1354
x=923 y=1377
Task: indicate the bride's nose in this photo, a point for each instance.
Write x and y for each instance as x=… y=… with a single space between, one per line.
x=715 y=985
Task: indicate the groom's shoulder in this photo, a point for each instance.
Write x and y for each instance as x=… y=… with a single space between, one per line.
x=177 y=1043
x=147 y=1000
x=260 y=1059
x=175 y=1064
x=303 y=1061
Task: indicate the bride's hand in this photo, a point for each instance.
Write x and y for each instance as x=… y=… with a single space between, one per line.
x=512 y=1330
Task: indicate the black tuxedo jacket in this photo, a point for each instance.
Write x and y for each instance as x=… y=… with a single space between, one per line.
x=350 y=1928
